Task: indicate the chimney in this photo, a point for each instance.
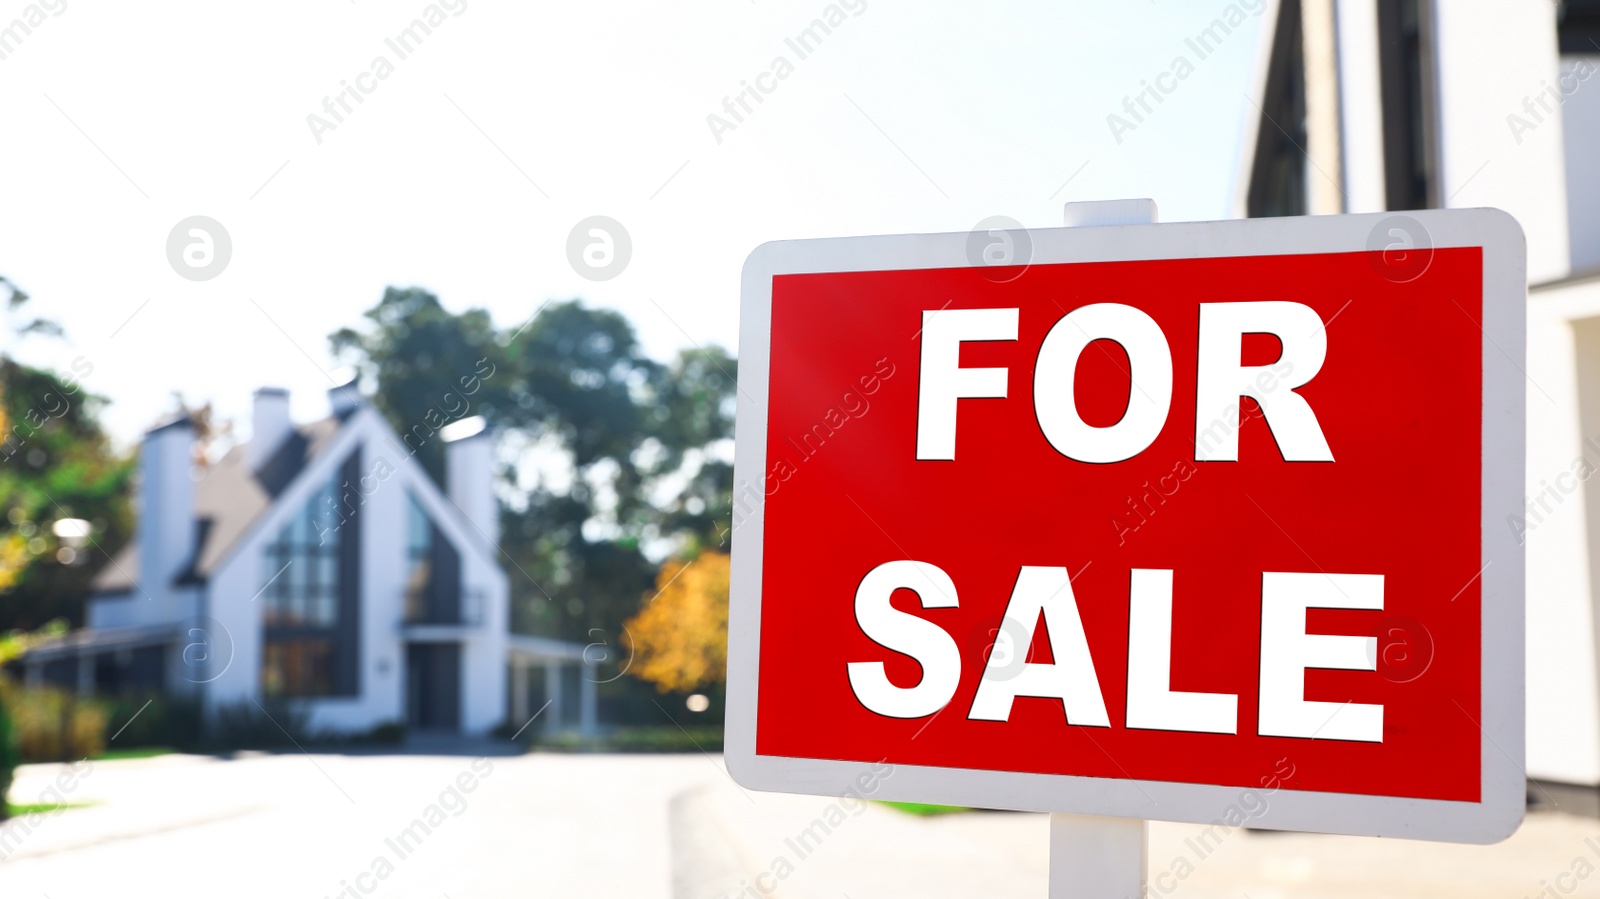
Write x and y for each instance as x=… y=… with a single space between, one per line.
x=166 y=507
x=269 y=424
x=469 y=474
x=345 y=395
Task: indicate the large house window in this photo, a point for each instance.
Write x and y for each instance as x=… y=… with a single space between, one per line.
x=304 y=566
x=433 y=571
x=300 y=665
x=310 y=601
x=419 y=560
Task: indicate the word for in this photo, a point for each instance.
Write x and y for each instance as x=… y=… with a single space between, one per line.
x=1220 y=379
x=1286 y=651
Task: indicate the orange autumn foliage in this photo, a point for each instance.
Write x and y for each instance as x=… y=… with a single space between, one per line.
x=680 y=636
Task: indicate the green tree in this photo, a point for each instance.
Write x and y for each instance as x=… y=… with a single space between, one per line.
x=575 y=380
x=428 y=367
x=56 y=463
x=695 y=421
x=9 y=756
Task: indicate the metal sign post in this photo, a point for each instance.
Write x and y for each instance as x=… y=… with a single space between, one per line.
x=1090 y=855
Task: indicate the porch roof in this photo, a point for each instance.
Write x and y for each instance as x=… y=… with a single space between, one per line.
x=525 y=648
x=86 y=640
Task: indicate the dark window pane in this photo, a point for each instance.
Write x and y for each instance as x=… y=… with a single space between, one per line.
x=303 y=602
x=419 y=558
x=297 y=666
x=304 y=565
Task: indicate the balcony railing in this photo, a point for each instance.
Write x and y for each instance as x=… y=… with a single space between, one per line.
x=428 y=609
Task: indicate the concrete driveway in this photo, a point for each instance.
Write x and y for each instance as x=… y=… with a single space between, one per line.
x=344 y=826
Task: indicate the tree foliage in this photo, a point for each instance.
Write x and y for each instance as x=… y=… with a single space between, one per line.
x=680 y=636
x=571 y=387
x=428 y=366
x=9 y=757
x=56 y=462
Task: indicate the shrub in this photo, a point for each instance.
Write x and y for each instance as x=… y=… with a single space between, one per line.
x=386 y=733
x=53 y=725
x=8 y=755
x=665 y=738
x=167 y=721
x=245 y=725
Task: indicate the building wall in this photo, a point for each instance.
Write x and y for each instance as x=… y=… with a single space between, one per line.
x=235 y=583
x=484 y=680
x=1580 y=122
x=382 y=510
x=383 y=538
x=1361 y=105
x=1500 y=145
x=1563 y=696
x=388 y=474
x=1491 y=56
x=483 y=651
x=228 y=603
x=1512 y=137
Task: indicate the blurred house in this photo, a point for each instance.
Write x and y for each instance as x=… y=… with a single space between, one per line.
x=318 y=565
x=1366 y=106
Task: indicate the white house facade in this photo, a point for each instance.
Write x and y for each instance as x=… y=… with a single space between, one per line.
x=319 y=566
x=1375 y=105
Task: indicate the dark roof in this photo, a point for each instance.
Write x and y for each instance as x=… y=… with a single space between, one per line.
x=227 y=501
x=101 y=639
x=177 y=421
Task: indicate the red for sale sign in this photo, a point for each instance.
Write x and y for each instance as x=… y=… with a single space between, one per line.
x=1128 y=520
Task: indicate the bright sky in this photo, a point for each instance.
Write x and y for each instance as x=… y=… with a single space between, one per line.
x=465 y=169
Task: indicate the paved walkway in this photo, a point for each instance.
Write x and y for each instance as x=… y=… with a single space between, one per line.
x=650 y=826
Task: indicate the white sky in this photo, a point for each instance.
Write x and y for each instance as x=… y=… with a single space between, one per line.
x=195 y=105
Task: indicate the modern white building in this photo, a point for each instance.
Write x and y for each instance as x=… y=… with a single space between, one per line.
x=1368 y=106
x=319 y=566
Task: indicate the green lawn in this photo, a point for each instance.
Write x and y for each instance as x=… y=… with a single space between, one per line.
x=138 y=752
x=924 y=810
x=41 y=807
x=646 y=738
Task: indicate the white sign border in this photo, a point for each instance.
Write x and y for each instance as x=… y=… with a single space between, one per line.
x=1501 y=719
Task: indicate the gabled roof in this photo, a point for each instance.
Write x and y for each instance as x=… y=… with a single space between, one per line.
x=227 y=500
